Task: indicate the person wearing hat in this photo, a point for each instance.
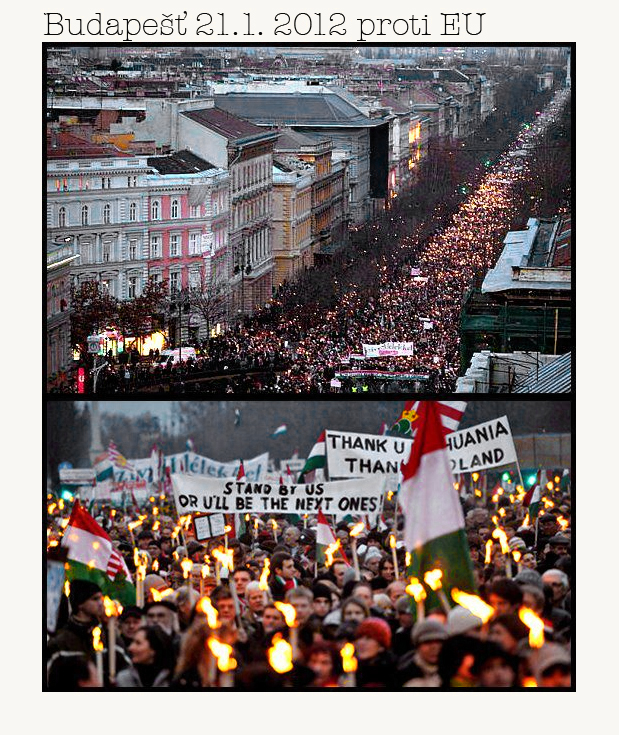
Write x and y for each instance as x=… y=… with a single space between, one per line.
x=164 y=613
x=129 y=622
x=494 y=667
x=419 y=668
x=376 y=663
x=552 y=666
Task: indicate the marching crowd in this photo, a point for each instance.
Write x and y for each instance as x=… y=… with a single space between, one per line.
x=171 y=640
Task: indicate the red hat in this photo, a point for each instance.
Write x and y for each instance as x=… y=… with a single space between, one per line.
x=375 y=628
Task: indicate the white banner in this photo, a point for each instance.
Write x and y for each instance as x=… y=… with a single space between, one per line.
x=389 y=349
x=356 y=455
x=194 y=464
x=205 y=495
x=481 y=447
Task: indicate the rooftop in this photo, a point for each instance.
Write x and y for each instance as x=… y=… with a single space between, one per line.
x=224 y=122
x=554 y=377
x=181 y=162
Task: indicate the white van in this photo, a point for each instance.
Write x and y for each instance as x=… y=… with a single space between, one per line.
x=176 y=355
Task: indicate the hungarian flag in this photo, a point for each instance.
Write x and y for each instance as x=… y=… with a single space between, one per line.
x=119 y=459
x=156 y=461
x=91 y=556
x=317 y=460
x=450 y=413
x=533 y=498
x=103 y=467
x=279 y=431
x=324 y=537
x=433 y=519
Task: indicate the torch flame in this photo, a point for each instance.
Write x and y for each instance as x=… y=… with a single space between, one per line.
x=488 y=558
x=112 y=608
x=356 y=530
x=330 y=551
x=67 y=588
x=186 y=566
x=158 y=595
x=473 y=604
x=280 y=654
x=517 y=555
x=264 y=585
x=227 y=529
x=225 y=557
x=205 y=606
x=155 y=565
x=415 y=588
x=502 y=536
x=222 y=652
x=134 y=524
x=535 y=625
x=274 y=524
x=349 y=662
x=563 y=522
x=96 y=639
x=407 y=559
x=433 y=579
x=526 y=523
x=205 y=571
x=289 y=613
x=392 y=540
x=529 y=682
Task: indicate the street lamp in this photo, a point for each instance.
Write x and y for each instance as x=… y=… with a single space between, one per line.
x=243 y=265
x=181 y=301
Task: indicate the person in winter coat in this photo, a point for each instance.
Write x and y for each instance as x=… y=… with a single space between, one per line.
x=419 y=668
x=376 y=663
x=152 y=656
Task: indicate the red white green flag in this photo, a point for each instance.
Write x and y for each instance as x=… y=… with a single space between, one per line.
x=317 y=459
x=533 y=498
x=433 y=519
x=91 y=556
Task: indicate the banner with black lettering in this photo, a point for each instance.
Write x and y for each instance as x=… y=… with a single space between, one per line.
x=481 y=447
x=360 y=455
x=195 y=494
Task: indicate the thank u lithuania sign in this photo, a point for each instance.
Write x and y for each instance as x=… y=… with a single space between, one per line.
x=481 y=447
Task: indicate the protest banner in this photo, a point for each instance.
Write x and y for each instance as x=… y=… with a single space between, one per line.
x=192 y=463
x=389 y=349
x=194 y=494
x=482 y=447
x=355 y=455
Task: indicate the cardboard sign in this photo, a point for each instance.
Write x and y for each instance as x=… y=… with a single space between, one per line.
x=209 y=526
x=481 y=447
x=360 y=455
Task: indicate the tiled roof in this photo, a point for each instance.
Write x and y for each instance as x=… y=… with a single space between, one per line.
x=555 y=377
x=181 y=162
x=224 y=122
x=66 y=145
x=562 y=252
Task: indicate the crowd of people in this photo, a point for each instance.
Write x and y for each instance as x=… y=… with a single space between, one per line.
x=412 y=289
x=171 y=640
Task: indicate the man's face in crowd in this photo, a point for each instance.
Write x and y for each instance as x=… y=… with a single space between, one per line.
x=272 y=620
x=560 y=549
x=528 y=561
x=397 y=590
x=496 y=673
x=557 y=677
x=501 y=605
x=225 y=608
x=143 y=543
x=528 y=600
x=94 y=607
x=129 y=626
x=372 y=564
x=364 y=593
x=303 y=607
x=287 y=571
x=353 y=613
x=554 y=581
x=154 y=550
x=255 y=601
x=548 y=527
x=429 y=651
x=366 y=648
x=291 y=536
x=321 y=664
x=339 y=570
x=241 y=578
x=161 y=616
x=321 y=605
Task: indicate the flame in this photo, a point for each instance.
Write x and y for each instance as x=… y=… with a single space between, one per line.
x=64 y=522
x=205 y=606
x=517 y=555
x=91 y=564
x=473 y=604
x=502 y=536
x=155 y=510
x=156 y=526
x=488 y=558
x=264 y=585
x=67 y=588
x=222 y=652
x=502 y=512
x=495 y=520
x=225 y=557
x=529 y=682
x=389 y=494
x=416 y=590
x=96 y=639
x=475 y=476
x=563 y=522
x=330 y=551
x=227 y=529
x=151 y=499
x=392 y=540
x=280 y=654
x=158 y=595
x=256 y=523
x=356 y=530
x=61 y=504
x=512 y=498
x=113 y=608
x=349 y=662
x=549 y=485
x=478 y=493
x=51 y=508
x=113 y=512
x=155 y=565
x=246 y=517
x=186 y=566
x=526 y=523
x=205 y=571
x=274 y=524
x=289 y=613
x=495 y=498
x=407 y=559
x=535 y=625
x=134 y=524
x=433 y=579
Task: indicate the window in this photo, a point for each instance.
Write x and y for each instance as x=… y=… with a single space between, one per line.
x=62 y=217
x=133 y=212
x=132 y=287
x=175 y=281
x=106 y=252
x=194 y=211
x=174 y=209
x=194 y=278
x=175 y=246
x=156 y=277
x=107 y=214
x=84 y=214
x=155 y=210
x=133 y=249
x=194 y=243
x=106 y=182
x=155 y=246
x=132 y=181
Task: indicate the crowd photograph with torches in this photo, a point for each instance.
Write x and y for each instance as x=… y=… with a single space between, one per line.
x=279 y=545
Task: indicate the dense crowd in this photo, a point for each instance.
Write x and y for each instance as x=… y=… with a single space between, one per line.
x=415 y=288
x=171 y=640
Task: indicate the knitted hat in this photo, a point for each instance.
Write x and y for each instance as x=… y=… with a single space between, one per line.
x=80 y=591
x=321 y=590
x=425 y=631
x=131 y=611
x=375 y=628
x=529 y=576
x=516 y=542
x=460 y=620
x=550 y=654
x=162 y=603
